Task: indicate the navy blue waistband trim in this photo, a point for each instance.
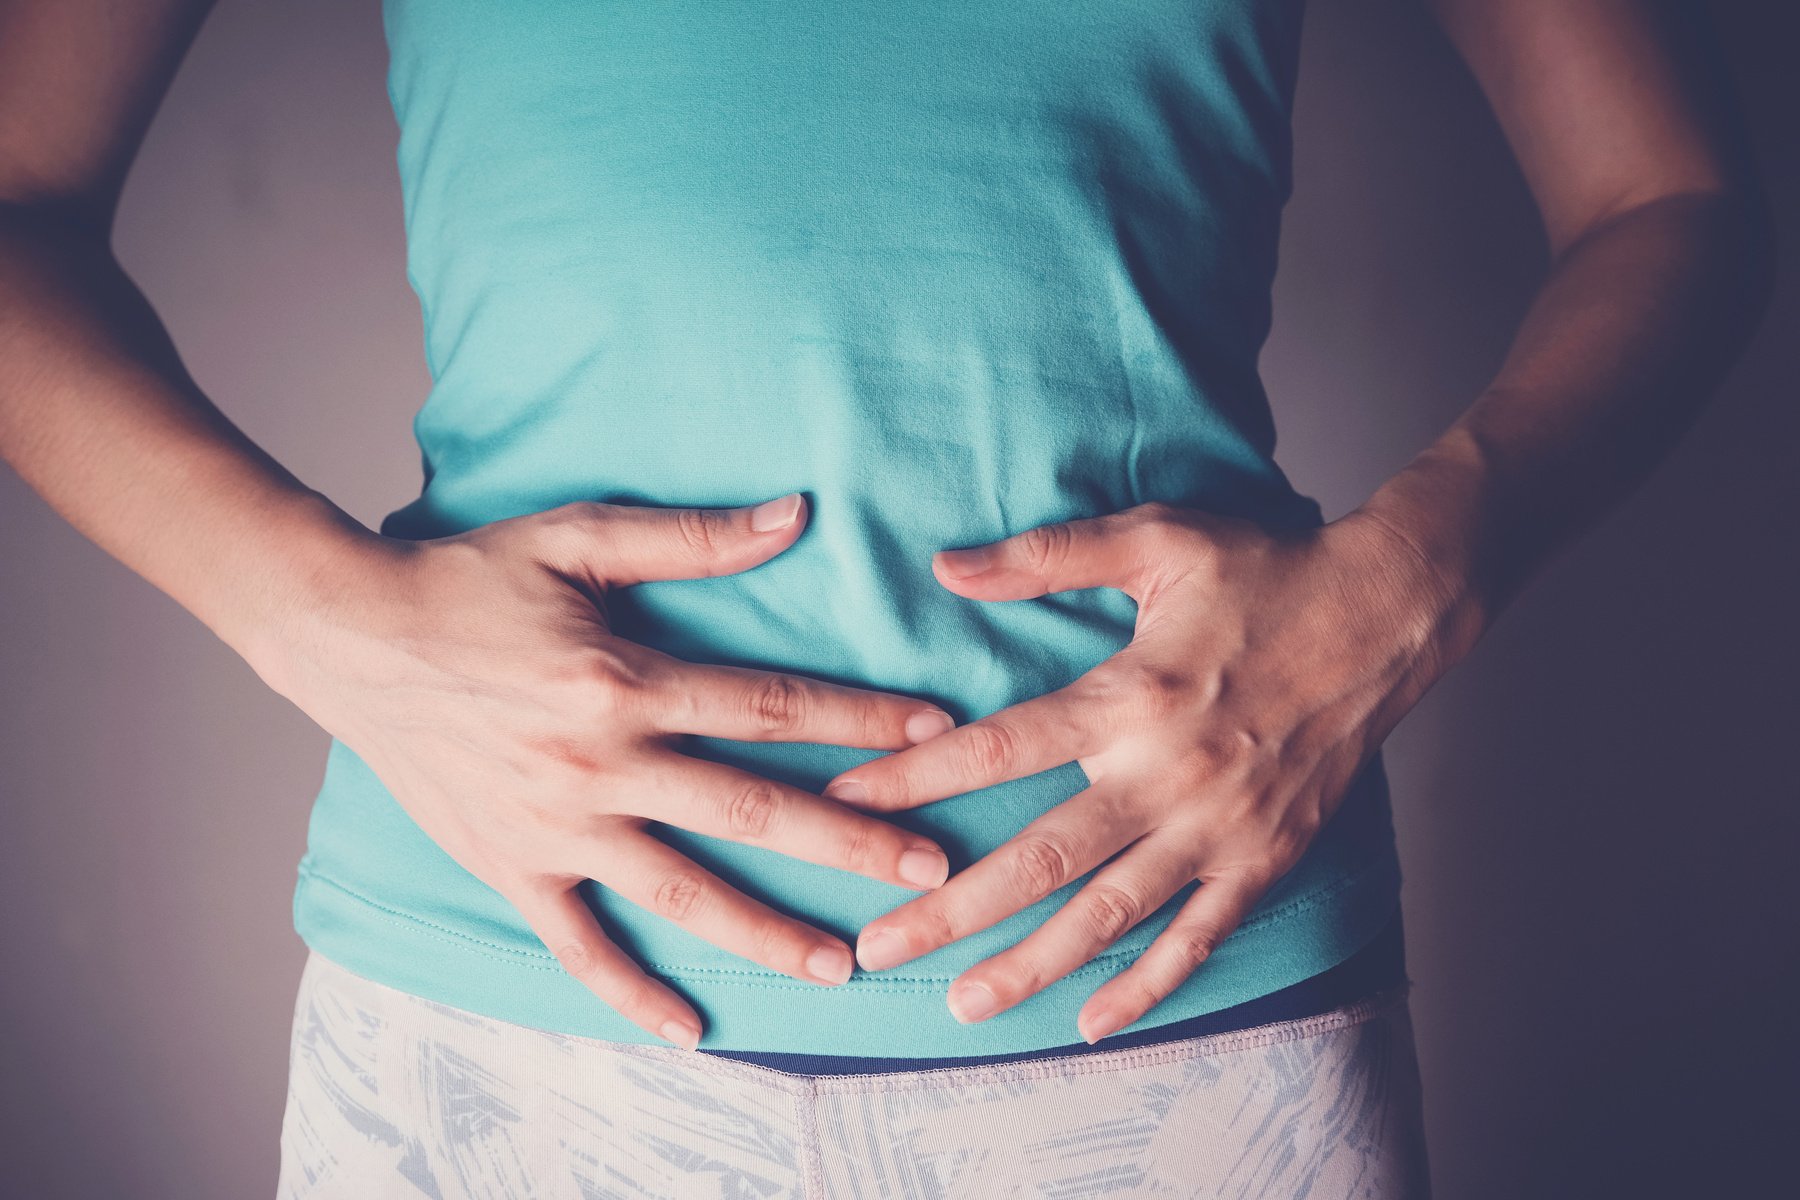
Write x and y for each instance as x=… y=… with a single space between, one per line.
x=1378 y=966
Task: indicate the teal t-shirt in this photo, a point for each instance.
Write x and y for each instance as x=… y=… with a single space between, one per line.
x=952 y=269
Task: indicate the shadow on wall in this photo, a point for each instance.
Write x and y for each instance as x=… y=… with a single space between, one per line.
x=1596 y=811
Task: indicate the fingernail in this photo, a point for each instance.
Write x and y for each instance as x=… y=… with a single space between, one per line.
x=1097 y=1026
x=848 y=790
x=681 y=1033
x=972 y=1002
x=880 y=950
x=923 y=726
x=924 y=869
x=775 y=514
x=829 y=964
x=960 y=563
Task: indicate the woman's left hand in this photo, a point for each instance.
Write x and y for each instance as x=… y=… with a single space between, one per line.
x=1263 y=673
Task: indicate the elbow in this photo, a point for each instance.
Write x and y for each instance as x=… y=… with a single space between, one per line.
x=57 y=220
x=1734 y=240
x=1735 y=232
x=1721 y=232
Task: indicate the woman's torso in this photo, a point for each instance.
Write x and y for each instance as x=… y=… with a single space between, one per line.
x=953 y=271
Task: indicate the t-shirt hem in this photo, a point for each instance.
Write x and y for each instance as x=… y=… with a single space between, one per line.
x=887 y=1014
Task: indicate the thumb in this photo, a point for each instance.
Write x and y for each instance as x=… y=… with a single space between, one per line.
x=1088 y=552
x=623 y=544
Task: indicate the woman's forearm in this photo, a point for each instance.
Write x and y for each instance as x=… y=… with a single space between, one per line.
x=1625 y=341
x=98 y=415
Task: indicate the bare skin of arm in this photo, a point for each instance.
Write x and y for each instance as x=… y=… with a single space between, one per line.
x=1265 y=670
x=536 y=749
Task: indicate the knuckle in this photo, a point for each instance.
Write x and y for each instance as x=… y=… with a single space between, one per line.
x=1286 y=844
x=1108 y=912
x=1044 y=546
x=990 y=747
x=1191 y=848
x=613 y=685
x=1178 y=535
x=577 y=958
x=573 y=515
x=1157 y=514
x=874 y=721
x=1153 y=690
x=863 y=841
x=1228 y=752
x=1195 y=943
x=1016 y=980
x=622 y=697
x=595 y=669
x=1166 y=687
x=1146 y=993
x=1244 y=822
x=697 y=528
x=1165 y=520
x=1258 y=879
x=776 y=703
x=751 y=810
x=1041 y=864
x=1243 y=742
x=938 y=924
x=771 y=941
x=1109 y=685
x=638 y=997
x=678 y=895
x=567 y=529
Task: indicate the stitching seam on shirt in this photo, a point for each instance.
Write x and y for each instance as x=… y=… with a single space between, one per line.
x=544 y=961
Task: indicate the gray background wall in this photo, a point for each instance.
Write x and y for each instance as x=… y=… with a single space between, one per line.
x=1597 y=811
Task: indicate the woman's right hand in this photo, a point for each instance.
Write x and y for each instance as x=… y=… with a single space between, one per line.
x=477 y=677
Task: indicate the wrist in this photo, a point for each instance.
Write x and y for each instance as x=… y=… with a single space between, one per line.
x=1430 y=516
x=317 y=556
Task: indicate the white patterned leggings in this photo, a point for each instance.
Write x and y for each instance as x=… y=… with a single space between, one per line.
x=391 y=1095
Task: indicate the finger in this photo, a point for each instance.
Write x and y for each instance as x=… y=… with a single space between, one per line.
x=740 y=806
x=772 y=706
x=1063 y=844
x=1103 y=551
x=623 y=544
x=1217 y=907
x=1120 y=895
x=567 y=926
x=1031 y=736
x=657 y=877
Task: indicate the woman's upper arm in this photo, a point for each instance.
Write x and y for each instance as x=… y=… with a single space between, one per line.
x=79 y=83
x=1604 y=105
